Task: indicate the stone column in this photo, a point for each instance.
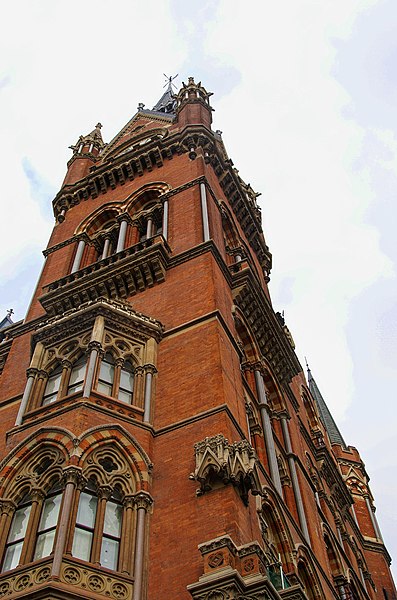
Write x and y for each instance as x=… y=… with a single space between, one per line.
x=150 y=370
x=31 y=373
x=204 y=212
x=38 y=497
x=267 y=431
x=7 y=510
x=72 y=475
x=78 y=256
x=149 y=227
x=104 y=494
x=124 y=220
x=142 y=502
x=106 y=246
x=94 y=347
x=165 y=219
x=294 y=478
x=127 y=536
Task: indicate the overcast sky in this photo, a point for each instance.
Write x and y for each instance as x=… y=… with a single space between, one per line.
x=305 y=94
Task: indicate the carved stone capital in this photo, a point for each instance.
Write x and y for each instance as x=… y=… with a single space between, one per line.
x=72 y=474
x=149 y=368
x=41 y=374
x=38 y=495
x=94 y=345
x=124 y=217
x=105 y=491
x=129 y=501
x=31 y=372
x=66 y=364
x=7 y=506
x=143 y=500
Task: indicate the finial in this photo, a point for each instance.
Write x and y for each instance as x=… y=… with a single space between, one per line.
x=98 y=126
x=307 y=364
x=141 y=106
x=10 y=312
x=170 y=79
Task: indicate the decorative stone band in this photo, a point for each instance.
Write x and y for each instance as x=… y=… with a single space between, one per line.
x=230 y=463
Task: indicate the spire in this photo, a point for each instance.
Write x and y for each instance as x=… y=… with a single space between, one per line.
x=90 y=141
x=167 y=102
x=327 y=419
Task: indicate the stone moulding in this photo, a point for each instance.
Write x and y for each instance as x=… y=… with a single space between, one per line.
x=218 y=461
x=120 y=275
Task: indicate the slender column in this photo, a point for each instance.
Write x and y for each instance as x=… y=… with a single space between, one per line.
x=38 y=497
x=142 y=503
x=63 y=386
x=294 y=479
x=71 y=476
x=204 y=212
x=78 y=257
x=150 y=370
x=41 y=382
x=7 y=509
x=122 y=233
x=267 y=432
x=106 y=247
x=149 y=227
x=165 y=219
x=31 y=373
x=373 y=519
x=127 y=548
x=81 y=483
x=94 y=348
x=104 y=494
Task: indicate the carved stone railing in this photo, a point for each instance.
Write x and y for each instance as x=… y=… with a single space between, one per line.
x=217 y=460
x=118 y=276
x=25 y=582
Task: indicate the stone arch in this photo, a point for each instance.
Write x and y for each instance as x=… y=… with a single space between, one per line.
x=132 y=466
x=104 y=216
x=275 y=531
x=274 y=394
x=307 y=574
x=248 y=343
x=334 y=558
x=145 y=195
x=26 y=462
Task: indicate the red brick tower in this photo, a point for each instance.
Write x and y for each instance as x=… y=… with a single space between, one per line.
x=159 y=439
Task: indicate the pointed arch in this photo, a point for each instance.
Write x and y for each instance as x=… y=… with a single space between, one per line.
x=308 y=575
x=103 y=217
x=276 y=531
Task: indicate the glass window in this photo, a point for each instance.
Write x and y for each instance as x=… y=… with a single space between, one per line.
x=85 y=524
x=106 y=375
x=126 y=383
x=52 y=387
x=16 y=536
x=47 y=525
x=111 y=535
x=77 y=374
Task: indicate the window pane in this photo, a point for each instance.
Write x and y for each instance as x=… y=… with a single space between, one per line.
x=106 y=372
x=105 y=388
x=87 y=510
x=44 y=544
x=49 y=399
x=113 y=516
x=125 y=396
x=12 y=555
x=49 y=514
x=75 y=388
x=109 y=553
x=77 y=373
x=126 y=380
x=19 y=524
x=53 y=384
x=82 y=544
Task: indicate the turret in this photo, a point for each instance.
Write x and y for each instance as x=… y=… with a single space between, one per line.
x=193 y=107
x=85 y=153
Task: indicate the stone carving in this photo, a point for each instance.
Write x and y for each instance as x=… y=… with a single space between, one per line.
x=89 y=579
x=219 y=461
x=216 y=560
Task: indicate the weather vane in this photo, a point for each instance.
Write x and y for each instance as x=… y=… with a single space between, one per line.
x=170 y=79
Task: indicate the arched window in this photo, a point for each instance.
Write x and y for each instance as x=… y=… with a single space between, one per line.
x=97 y=530
x=48 y=523
x=106 y=375
x=17 y=534
x=126 y=382
x=23 y=529
x=115 y=380
x=76 y=377
x=52 y=387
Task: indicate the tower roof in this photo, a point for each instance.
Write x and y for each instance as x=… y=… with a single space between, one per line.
x=327 y=419
x=7 y=319
x=167 y=102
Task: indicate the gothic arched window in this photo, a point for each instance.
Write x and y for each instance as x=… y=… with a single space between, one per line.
x=53 y=385
x=98 y=528
x=115 y=379
x=17 y=534
x=48 y=523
